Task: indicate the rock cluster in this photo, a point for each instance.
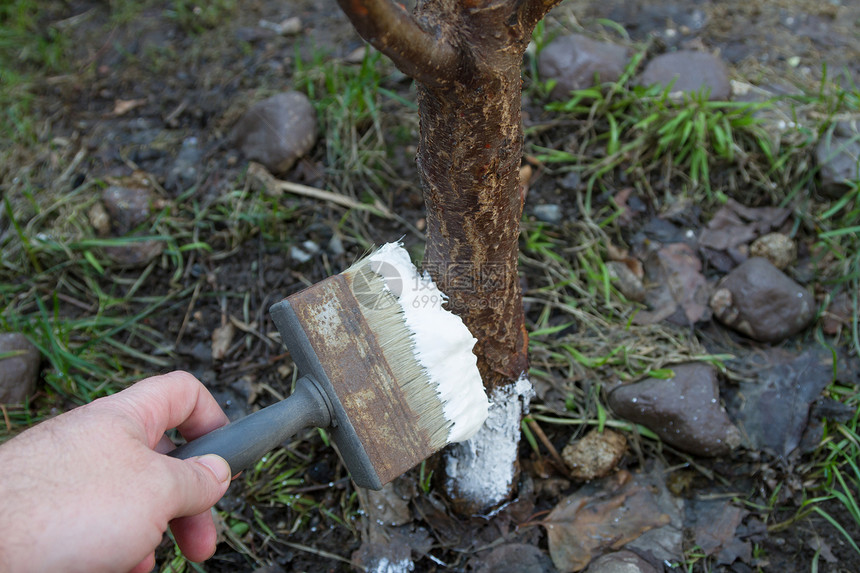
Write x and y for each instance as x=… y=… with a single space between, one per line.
x=576 y=62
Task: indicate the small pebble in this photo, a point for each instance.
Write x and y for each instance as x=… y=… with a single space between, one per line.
x=778 y=248
x=304 y=253
x=548 y=213
x=595 y=455
x=20 y=371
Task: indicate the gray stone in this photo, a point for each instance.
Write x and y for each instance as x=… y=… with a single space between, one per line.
x=277 y=130
x=760 y=301
x=548 y=213
x=134 y=254
x=838 y=157
x=773 y=406
x=127 y=207
x=690 y=71
x=335 y=246
x=304 y=253
x=684 y=410
x=571 y=182
x=573 y=62
x=288 y=27
x=184 y=172
x=19 y=371
x=620 y=562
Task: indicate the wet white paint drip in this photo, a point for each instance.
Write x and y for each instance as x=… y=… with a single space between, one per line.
x=443 y=344
x=482 y=468
x=386 y=566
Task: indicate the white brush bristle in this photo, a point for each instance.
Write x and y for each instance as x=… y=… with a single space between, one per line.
x=439 y=343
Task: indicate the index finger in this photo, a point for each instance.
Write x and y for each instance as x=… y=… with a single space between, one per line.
x=174 y=400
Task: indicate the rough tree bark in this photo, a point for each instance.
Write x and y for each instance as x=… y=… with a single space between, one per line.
x=466 y=56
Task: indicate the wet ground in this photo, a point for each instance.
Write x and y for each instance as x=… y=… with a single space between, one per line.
x=143 y=93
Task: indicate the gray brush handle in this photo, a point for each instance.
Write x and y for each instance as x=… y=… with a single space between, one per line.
x=246 y=440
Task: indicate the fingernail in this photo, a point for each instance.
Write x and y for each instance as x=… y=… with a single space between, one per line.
x=218 y=465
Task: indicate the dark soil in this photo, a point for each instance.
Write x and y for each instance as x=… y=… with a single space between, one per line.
x=197 y=83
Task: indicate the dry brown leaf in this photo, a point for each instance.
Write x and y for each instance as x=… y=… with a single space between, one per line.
x=674 y=274
x=586 y=525
x=735 y=225
x=838 y=314
x=448 y=530
x=123 y=106
x=716 y=525
x=620 y=199
x=388 y=506
x=622 y=255
x=222 y=338
x=616 y=253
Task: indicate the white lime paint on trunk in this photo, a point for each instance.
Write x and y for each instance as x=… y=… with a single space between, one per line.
x=482 y=468
x=443 y=344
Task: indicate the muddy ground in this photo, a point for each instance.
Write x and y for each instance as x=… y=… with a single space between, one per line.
x=194 y=83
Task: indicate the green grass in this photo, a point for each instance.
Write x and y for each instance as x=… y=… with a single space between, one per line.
x=839 y=247
x=88 y=317
x=839 y=478
x=25 y=42
x=834 y=480
x=646 y=131
x=355 y=109
x=835 y=222
x=92 y=321
x=580 y=330
x=27 y=47
x=669 y=150
x=196 y=17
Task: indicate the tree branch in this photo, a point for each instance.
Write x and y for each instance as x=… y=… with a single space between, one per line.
x=533 y=11
x=394 y=32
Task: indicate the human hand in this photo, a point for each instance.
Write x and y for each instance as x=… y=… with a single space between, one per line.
x=91 y=490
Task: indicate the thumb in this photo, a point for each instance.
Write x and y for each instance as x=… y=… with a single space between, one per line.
x=201 y=483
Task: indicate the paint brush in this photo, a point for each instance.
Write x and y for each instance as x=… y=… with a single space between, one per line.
x=385 y=369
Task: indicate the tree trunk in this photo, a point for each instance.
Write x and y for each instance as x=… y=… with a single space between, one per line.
x=469 y=158
x=466 y=57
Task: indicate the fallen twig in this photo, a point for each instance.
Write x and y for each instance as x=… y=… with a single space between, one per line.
x=535 y=427
x=274 y=184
